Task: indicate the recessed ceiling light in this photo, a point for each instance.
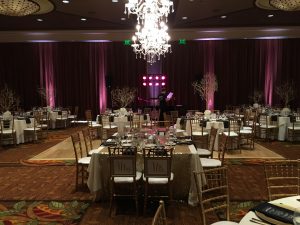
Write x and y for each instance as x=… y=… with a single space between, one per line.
x=115 y=0
x=123 y=18
x=66 y=1
x=39 y=20
x=83 y=19
x=270 y=15
x=223 y=17
x=191 y=0
x=184 y=18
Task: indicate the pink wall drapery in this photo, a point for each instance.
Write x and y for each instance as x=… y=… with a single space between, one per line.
x=47 y=72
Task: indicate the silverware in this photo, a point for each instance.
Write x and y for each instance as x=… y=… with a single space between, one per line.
x=258 y=221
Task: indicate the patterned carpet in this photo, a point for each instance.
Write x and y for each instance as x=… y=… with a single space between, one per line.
x=56 y=182
x=41 y=212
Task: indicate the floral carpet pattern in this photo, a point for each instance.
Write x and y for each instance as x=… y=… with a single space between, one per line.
x=41 y=212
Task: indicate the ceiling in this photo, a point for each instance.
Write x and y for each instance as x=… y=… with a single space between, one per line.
x=103 y=22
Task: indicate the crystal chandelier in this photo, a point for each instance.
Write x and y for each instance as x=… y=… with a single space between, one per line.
x=286 y=5
x=25 y=7
x=151 y=38
x=153 y=41
x=160 y=8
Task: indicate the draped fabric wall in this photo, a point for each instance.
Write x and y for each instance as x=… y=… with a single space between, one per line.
x=78 y=72
x=20 y=71
x=47 y=72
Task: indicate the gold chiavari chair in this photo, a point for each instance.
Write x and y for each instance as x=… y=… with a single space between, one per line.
x=283 y=177
x=160 y=215
x=214 y=197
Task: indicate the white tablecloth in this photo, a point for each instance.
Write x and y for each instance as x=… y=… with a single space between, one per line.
x=183 y=183
x=289 y=201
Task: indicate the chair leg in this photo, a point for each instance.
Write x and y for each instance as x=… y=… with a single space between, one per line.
x=76 y=181
x=111 y=196
x=136 y=199
x=145 y=198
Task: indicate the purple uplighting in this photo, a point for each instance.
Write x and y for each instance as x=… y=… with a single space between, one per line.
x=47 y=72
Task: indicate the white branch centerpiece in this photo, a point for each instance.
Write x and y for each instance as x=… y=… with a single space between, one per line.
x=206 y=88
x=8 y=99
x=286 y=92
x=122 y=97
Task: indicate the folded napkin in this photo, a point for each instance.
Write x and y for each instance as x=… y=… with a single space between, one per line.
x=274 y=214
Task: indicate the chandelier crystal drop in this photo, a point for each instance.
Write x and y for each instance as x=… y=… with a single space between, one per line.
x=286 y=5
x=18 y=7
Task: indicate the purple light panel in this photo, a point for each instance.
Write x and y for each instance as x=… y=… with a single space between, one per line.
x=157 y=80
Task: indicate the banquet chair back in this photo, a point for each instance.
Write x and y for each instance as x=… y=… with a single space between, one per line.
x=34 y=132
x=268 y=126
x=7 y=131
x=108 y=125
x=233 y=133
x=213 y=197
x=160 y=215
x=134 y=121
x=198 y=132
x=283 y=178
x=157 y=170
x=95 y=127
x=122 y=163
x=62 y=119
x=88 y=142
x=294 y=128
x=212 y=140
x=74 y=116
x=82 y=161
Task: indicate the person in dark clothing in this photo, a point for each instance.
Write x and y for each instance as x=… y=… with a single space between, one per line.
x=162 y=97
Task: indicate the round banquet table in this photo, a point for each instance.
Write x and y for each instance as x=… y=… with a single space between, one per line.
x=290 y=202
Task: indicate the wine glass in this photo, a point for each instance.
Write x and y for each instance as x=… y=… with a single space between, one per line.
x=296 y=216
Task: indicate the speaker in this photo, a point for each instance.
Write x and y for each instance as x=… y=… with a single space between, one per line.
x=108 y=80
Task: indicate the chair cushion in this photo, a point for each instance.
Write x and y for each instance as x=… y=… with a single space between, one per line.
x=84 y=160
x=203 y=152
x=210 y=162
x=31 y=129
x=8 y=131
x=96 y=150
x=247 y=128
x=199 y=133
x=128 y=179
x=269 y=126
x=295 y=128
x=245 y=131
x=232 y=134
x=109 y=127
x=157 y=180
